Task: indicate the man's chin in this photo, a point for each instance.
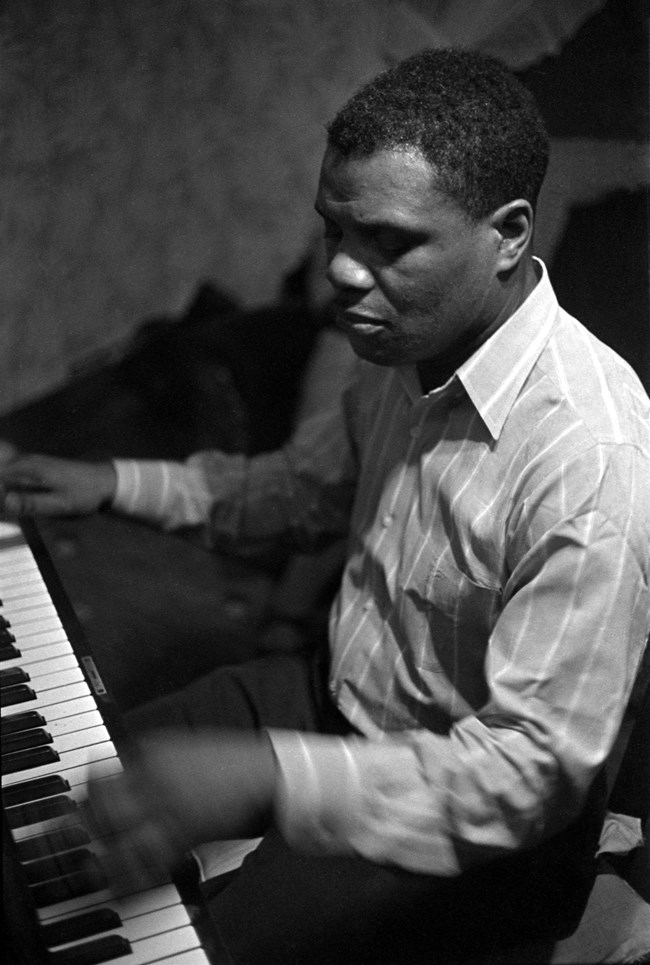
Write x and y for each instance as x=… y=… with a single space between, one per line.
x=378 y=354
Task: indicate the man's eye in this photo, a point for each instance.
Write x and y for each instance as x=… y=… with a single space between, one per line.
x=392 y=244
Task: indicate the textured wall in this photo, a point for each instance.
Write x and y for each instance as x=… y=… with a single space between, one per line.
x=148 y=145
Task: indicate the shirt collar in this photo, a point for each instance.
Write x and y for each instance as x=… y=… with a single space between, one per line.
x=494 y=375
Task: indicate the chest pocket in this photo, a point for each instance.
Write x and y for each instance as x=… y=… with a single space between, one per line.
x=460 y=599
x=461 y=615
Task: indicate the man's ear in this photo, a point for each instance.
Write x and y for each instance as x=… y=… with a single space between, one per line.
x=513 y=223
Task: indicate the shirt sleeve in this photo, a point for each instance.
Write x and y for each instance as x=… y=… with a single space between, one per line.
x=561 y=662
x=302 y=492
x=175 y=495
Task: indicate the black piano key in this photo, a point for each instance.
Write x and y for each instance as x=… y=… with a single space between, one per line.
x=80 y=926
x=36 y=737
x=9 y=652
x=15 y=675
x=71 y=886
x=16 y=695
x=6 y=636
x=4 y=623
x=105 y=949
x=59 y=865
x=23 y=720
x=36 y=811
x=25 y=760
x=43 y=845
x=32 y=790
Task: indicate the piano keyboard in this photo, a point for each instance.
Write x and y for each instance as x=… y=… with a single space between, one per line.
x=52 y=730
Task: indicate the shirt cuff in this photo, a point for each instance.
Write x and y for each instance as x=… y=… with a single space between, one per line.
x=140 y=487
x=318 y=792
x=171 y=494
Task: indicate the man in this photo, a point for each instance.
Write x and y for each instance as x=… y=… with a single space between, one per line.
x=433 y=791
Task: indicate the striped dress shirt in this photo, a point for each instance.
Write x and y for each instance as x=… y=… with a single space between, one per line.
x=495 y=601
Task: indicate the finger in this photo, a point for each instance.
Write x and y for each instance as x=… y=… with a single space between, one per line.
x=32 y=503
x=135 y=850
x=137 y=859
x=112 y=807
x=24 y=471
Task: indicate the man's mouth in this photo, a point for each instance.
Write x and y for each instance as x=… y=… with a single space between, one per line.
x=360 y=323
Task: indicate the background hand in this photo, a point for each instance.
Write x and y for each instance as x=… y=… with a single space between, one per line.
x=36 y=484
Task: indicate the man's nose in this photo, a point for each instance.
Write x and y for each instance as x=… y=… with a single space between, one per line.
x=344 y=271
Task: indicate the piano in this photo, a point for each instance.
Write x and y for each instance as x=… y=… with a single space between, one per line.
x=58 y=719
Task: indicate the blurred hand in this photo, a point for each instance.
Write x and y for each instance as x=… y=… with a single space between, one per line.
x=177 y=792
x=35 y=484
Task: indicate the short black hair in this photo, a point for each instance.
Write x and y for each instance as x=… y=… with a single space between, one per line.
x=465 y=113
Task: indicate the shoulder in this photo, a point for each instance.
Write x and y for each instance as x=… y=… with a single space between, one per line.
x=596 y=386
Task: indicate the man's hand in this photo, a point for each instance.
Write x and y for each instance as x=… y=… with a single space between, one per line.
x=176 y=793
x=35 y=484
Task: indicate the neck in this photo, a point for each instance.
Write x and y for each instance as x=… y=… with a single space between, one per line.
x=435 y=372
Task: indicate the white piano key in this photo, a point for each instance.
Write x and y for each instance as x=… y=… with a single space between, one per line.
x=70 y=707
x=131 y=906
x=48 y=663
x=24 y=569
x=50 y=698
x=144 y=926
x=26 y=609
x=21 y=576
x=24 y=596
x=194 y=956
x=166 y=936
x=57 y=679
x=73 y=725
x=16 y=558
x=12 y=556
x=156 y=922
x=49 y=631
x=20 y=586
x=33 y=658
x=162 y=896
x=161 y=947
x=17 y=550
x=28 y=624
x=64 y=743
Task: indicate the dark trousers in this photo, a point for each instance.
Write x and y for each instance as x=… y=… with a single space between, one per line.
x=284 y=908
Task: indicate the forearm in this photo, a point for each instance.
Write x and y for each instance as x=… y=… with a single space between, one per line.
x=428 y=803
x=235 y=499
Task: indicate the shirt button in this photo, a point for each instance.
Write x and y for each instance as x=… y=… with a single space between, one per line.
x=387 y=519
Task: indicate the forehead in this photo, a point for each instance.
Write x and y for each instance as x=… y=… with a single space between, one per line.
x=389 y=185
